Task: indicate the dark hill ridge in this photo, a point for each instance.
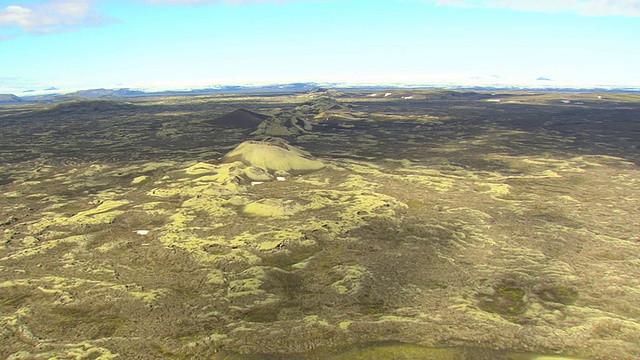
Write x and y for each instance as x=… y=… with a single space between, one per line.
x=84 y=106
x=241 y=119
x=9 y=98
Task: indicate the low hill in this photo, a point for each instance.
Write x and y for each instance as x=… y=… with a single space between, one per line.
x=9 y=98
x=273 y=156
x=107 y=93
x=240 y=119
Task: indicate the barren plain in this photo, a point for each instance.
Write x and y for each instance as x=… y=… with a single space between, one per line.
x=425 y=225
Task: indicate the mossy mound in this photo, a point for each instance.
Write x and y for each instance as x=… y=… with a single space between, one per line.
x=254 y=173
x=280 y=127
x=271 y=207
x=325 y=103
x=273 y=156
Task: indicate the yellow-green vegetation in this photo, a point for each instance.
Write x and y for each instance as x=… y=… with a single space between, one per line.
x=351 y=282
x=273 y=157
x=103 y=213
x=271 y=207
x=138 y=179
x=72 y=351
x=34 y=248
x=506 y=300
x=407 y=351
x=254 y=173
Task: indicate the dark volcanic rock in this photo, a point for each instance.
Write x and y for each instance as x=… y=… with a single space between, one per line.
x=84 y=106
x=241 y=118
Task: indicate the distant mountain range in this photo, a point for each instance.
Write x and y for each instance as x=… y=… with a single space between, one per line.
x=114 y=94
x=542 y=84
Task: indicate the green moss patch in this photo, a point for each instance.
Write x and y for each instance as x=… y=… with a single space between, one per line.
x=506 y=300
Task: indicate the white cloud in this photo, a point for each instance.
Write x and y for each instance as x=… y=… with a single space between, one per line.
x=55 y=16
x=629 y=8
x=51 y=16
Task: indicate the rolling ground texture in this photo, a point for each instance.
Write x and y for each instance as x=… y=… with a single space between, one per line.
x=443 y=225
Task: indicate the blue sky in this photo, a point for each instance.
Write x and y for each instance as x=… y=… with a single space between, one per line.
x=75 y=44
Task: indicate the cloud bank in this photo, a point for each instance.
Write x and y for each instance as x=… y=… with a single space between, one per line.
x=629 y=8
x=52 y=16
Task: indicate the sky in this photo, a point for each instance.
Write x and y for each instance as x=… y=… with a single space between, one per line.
x=176 y=44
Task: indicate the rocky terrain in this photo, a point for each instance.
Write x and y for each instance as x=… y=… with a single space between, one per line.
x=409 y=224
